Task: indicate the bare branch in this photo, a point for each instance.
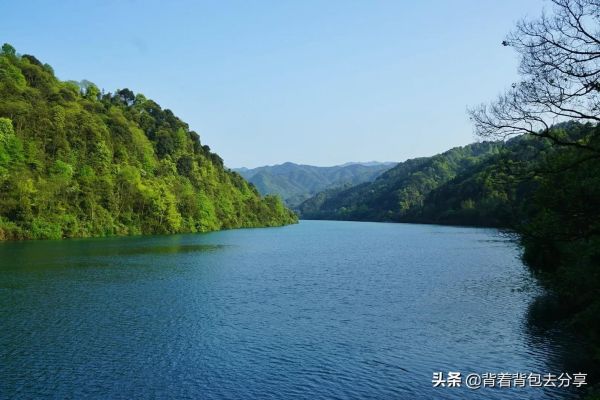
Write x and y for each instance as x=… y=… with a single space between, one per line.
x=560 y=66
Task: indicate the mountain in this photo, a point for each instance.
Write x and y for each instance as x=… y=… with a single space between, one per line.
x=481 y=184
x=75 y=162
x=296 y=183
x=398 y=191
x=369 y=163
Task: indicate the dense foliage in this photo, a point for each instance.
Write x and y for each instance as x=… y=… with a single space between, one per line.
x=296 y=183
x=75 y=162
x=397 y=193
x=560 y=230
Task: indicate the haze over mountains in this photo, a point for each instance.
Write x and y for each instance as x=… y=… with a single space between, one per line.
x=296 y=183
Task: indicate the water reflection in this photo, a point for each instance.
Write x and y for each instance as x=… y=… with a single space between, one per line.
x=24 y=255
x=564 y=350
x=172 y=249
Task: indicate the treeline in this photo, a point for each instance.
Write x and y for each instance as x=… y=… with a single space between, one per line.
x=77 y=162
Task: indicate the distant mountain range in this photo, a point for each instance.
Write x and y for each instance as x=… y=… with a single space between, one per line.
x=296 y=183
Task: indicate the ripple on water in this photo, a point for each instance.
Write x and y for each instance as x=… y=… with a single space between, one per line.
x=320 y=310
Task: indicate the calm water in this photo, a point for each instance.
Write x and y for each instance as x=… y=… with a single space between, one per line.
x=329 y=310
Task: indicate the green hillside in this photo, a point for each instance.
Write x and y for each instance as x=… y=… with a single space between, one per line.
x=296 y=183
x=396 y=193
x=75 y=162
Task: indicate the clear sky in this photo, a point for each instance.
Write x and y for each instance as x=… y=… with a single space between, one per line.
x=313 y=82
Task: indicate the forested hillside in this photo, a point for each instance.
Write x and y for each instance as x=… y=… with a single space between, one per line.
x=296 y=183
x=76 y=162
x=395 y=194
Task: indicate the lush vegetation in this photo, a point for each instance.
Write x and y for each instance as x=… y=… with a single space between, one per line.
x=397 y=193
x=296 y=183
x=75 y=162
x=560 y=231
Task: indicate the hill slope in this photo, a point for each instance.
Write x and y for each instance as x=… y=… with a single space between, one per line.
x=296 y=183
x=398 y=191
x=75 y=163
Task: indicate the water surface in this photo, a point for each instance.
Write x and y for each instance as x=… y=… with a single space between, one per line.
x=319 y=310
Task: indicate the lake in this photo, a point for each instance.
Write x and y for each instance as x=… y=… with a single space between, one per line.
x=318 y=310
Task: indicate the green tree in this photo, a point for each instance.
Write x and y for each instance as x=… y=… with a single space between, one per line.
x=8 y=50
x=76 y=162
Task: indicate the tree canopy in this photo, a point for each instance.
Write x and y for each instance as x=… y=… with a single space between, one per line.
x=76 y=162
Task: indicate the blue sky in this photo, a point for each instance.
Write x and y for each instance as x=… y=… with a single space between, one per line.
x=313 y=82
